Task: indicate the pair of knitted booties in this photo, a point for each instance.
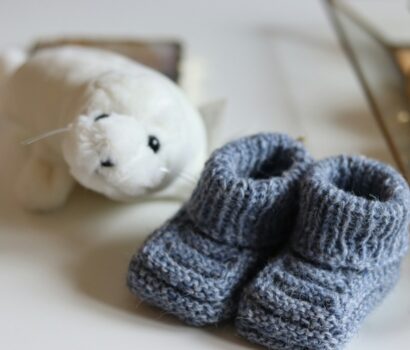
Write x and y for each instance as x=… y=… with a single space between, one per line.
x=299 y=252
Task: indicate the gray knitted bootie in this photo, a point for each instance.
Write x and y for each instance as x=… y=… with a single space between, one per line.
x=194 y=264
x=350 y=237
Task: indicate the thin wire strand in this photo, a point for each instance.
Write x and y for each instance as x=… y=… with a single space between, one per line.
x=46 y=134
x=184 y=176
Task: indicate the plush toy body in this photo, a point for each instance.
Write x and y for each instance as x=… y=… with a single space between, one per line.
x=129 y=131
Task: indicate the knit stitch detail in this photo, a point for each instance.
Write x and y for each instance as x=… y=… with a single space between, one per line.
x=355 y=212
x=248 y=190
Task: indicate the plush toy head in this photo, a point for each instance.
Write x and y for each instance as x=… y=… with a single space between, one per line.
x=133 y=135
x=107 y=150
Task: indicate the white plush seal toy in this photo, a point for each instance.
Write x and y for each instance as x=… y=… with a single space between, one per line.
x=126 y=131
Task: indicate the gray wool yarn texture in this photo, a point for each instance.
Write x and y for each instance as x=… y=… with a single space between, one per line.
x=343 y=258
x=195 y=265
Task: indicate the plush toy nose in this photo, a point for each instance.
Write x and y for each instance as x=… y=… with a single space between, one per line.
x=107 y=163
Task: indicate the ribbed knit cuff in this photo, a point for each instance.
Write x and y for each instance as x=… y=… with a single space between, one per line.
x=354 y=213
x=247 y=192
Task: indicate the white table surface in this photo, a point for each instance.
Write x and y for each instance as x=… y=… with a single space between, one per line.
x=279 y=65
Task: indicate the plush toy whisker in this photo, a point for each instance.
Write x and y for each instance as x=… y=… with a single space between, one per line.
x=46 y=134
x=184 y=176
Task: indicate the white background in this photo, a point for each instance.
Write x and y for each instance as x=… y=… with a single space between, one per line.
x=279 y=65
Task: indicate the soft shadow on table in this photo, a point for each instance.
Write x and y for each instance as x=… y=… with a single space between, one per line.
x=101 y=275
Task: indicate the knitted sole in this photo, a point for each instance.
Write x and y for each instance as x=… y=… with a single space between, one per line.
x=188 y=274
x=277 y=315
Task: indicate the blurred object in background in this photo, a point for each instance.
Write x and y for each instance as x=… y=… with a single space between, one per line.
x=403 y=58
x=161 y=55
x=382 y=68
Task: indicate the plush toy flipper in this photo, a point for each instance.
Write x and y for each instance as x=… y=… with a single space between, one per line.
x=43 y=185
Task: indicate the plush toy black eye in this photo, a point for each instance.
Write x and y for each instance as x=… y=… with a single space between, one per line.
x=107 y=163
x=101 y=116
x=154 y=144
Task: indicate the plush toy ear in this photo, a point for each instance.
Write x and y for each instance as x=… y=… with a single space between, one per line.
x=212 y=114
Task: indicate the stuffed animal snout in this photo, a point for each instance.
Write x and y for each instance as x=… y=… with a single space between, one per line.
x=105 y=152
